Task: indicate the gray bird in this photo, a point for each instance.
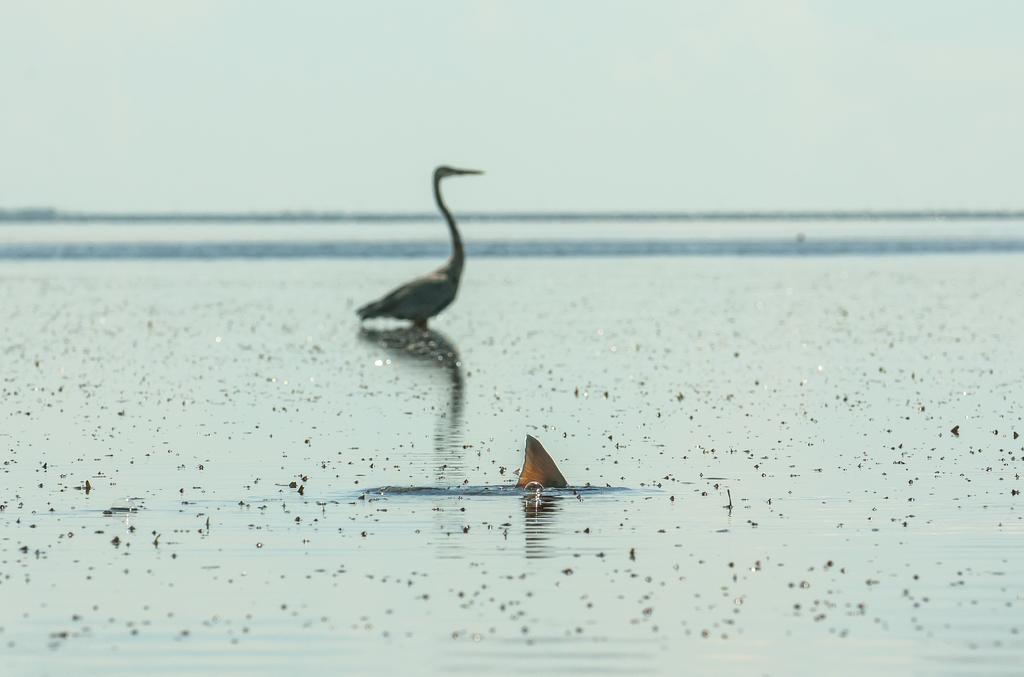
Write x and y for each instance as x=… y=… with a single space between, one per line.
x=426 y=296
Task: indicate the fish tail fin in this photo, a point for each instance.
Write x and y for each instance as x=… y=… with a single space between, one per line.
x=539 y=467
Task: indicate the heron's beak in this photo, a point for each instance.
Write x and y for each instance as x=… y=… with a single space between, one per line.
x=466 y=171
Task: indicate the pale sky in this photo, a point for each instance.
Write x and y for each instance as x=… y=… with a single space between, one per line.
x=566 y=104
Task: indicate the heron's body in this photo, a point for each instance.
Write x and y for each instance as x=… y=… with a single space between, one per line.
x=428 y=295
x=418 y=300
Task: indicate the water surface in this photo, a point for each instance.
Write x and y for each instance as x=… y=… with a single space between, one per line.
x=795 y=499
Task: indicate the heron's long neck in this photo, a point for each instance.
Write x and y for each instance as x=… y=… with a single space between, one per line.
x=458 y=255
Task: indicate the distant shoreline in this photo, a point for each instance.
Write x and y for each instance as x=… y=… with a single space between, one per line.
x=46 y=215
x=546 y=249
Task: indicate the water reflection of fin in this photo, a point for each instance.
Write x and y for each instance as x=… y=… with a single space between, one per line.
x=539 y=512
x=539 y=468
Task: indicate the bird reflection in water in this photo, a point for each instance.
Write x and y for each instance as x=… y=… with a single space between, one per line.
x=432 y=353
x=539 y=511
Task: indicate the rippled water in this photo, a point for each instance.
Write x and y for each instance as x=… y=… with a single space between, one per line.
x=788 y=495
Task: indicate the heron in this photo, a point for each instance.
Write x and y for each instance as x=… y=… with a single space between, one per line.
x=426 y=296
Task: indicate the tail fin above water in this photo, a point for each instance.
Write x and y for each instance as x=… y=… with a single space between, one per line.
x=539 y=467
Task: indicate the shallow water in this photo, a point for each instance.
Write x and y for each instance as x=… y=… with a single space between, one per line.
x=815 y=396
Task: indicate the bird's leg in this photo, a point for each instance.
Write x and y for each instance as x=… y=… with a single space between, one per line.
x=420 y=324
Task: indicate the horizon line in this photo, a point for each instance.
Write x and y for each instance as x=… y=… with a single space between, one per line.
x=51 y=215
